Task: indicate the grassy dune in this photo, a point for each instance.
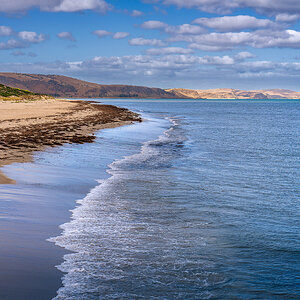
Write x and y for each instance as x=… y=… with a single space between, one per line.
x=9 y=93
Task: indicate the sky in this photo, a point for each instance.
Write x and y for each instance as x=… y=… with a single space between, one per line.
x=197 y=44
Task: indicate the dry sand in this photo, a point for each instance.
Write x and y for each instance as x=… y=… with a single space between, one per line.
x=31 y=126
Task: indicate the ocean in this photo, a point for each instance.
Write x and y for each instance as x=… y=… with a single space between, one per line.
x=199 y=201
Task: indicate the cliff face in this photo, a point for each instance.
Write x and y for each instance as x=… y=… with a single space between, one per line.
x=62 y=86
x=236 y=94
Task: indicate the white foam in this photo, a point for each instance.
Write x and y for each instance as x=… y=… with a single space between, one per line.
x=103 y=219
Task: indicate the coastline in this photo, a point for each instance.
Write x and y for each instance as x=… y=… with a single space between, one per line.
x=26 y=127
x=46 y=190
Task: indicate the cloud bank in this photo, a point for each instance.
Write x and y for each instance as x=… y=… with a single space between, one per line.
x=17 y=6
x=269 y=7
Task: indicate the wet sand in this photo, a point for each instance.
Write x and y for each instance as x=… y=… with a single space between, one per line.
x=26 y=127
x=31 y=212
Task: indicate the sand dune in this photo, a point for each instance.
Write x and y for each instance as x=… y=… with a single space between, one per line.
x=235 y=94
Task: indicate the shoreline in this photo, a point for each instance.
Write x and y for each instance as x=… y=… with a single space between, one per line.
x=26 y=127
x=33 y=209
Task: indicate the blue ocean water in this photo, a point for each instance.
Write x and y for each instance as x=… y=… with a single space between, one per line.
x=200 y=201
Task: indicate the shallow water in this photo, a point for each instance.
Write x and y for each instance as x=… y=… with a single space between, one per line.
x=201 y=201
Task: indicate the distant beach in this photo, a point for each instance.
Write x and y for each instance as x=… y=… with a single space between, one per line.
x=33 y=125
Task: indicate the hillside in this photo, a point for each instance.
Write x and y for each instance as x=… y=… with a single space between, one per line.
x=8 y=93
x=62 y=86
x=235 y=94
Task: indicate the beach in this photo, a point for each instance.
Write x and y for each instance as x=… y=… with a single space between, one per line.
x=198 y=201
x=33 y=125
x=36 y=197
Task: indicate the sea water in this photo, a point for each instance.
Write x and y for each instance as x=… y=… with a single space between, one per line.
x=200 y=201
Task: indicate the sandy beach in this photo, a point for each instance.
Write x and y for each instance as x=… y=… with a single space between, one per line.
x=31 y=126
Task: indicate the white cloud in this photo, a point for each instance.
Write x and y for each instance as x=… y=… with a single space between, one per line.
x=79 y=5
x=21 y=39
x=230 y=35
x=215 y=41
x=136 y=13
x=120 y=35
x=243 y=55
x=31 y=36
x=116 y=35
x=153 y=24
x=12 y=44
x=226 y=41
x=184 y=29
x=168 y=50
x=291 y=40
x=217 y=60
x=180 y=29
x=24 y=5
x=54 y=5
x=101 y=33
x=5 y=31
x=234 y=23
x=270 y=7
x=140 y=65
x=219 y=6
x=287 y=17
x=66 y=35
x=146 y=42
x=264 y=69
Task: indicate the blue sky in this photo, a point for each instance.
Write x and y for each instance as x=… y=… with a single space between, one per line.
x=246 y=44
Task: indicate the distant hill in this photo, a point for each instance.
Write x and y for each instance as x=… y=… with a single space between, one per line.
x=62 y=86
x=67 y=87
x=235 y=94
